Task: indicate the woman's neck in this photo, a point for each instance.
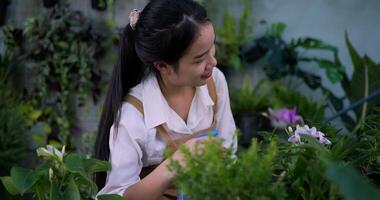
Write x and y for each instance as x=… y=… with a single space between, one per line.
x=179 y=98
x=171 y=90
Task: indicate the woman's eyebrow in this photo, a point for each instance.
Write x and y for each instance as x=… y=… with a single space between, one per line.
x=202 y=54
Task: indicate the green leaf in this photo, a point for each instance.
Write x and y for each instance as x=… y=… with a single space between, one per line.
x=55 y=192
x=334 y=71
x=364 y=80
x=35 y=114
x=9 y=185
x=315 y=44
x=47 y=128
x=351 y=184
x=110 y=197
x=276 y=29
x=93 y=165
x=74 y=163
x=72 y=191
x=23 y=178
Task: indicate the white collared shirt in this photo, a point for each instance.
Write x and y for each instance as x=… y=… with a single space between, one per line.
x=137 y=143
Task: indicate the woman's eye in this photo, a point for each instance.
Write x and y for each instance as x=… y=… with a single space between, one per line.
x=198 y=61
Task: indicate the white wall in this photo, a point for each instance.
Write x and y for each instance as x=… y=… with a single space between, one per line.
x=327 y=20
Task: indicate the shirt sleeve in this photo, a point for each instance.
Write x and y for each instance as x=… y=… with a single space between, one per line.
x=225 y=123
x=126 y=152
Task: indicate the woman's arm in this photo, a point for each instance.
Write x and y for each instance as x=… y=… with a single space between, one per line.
x=153 y=185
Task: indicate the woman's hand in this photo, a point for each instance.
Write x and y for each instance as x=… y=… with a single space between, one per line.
x=195 y=146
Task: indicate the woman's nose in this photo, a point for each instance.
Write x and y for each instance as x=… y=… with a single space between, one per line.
x=213 y=60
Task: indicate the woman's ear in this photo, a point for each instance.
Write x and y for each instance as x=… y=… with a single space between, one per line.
x=163 y=67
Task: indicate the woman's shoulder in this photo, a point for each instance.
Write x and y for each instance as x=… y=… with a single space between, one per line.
x=130 y=116
x=128 y=111
x=137 y=91
x=132 y=121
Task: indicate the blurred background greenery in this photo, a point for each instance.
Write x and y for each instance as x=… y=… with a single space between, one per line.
x=319 y=58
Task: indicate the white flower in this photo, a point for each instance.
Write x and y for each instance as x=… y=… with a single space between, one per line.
x=305 y=130
x=294 y=138
x=50 y=151
x=290 y=129
x=324 y=140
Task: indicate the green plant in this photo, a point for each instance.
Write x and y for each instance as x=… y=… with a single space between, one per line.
x=362 y=90
x=364 y=153
x=364 y=82
x=232 y=36
x=12 y=130
x=60 y=49
x=350 y=182
x=62 y=176
x=214 y=174
x=276 y=168
x=316 y=171
x=283 y=58
x=13 y=142
x=310 y=110
x=251 y=98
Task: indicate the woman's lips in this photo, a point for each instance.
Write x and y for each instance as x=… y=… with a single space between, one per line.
x=206 y=76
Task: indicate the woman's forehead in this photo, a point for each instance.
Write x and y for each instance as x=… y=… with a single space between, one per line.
x=204 y=40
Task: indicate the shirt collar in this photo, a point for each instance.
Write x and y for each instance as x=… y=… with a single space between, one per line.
x=157 y=111
x=155 y=105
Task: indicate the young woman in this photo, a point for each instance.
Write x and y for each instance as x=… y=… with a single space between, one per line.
x=164 y=90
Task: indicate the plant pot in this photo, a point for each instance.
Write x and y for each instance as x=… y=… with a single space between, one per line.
x=100 y=5
x=49 y=3
x=3 y=11
x=249 y=124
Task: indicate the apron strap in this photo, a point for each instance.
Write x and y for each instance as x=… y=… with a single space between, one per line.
x=172 y=144
x=212 y=92
x=135 y=102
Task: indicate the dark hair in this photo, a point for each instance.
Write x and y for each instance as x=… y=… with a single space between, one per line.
x=164 y=31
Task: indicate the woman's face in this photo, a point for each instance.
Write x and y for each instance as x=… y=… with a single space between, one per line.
x=196 y=66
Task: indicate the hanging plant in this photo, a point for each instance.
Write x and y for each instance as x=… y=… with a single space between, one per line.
x=100 y=5
x=3 y=11
x=61 y=49
x=49 y=3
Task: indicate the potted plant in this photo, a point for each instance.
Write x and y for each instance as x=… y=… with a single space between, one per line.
x=248 y=102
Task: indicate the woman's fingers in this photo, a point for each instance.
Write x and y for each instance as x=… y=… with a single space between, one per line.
x=197 y=145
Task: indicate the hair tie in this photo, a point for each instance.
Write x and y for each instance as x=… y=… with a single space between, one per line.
x=133 y=17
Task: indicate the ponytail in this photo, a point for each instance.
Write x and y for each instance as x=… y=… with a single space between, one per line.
x=127 y=73
x=164 y=30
